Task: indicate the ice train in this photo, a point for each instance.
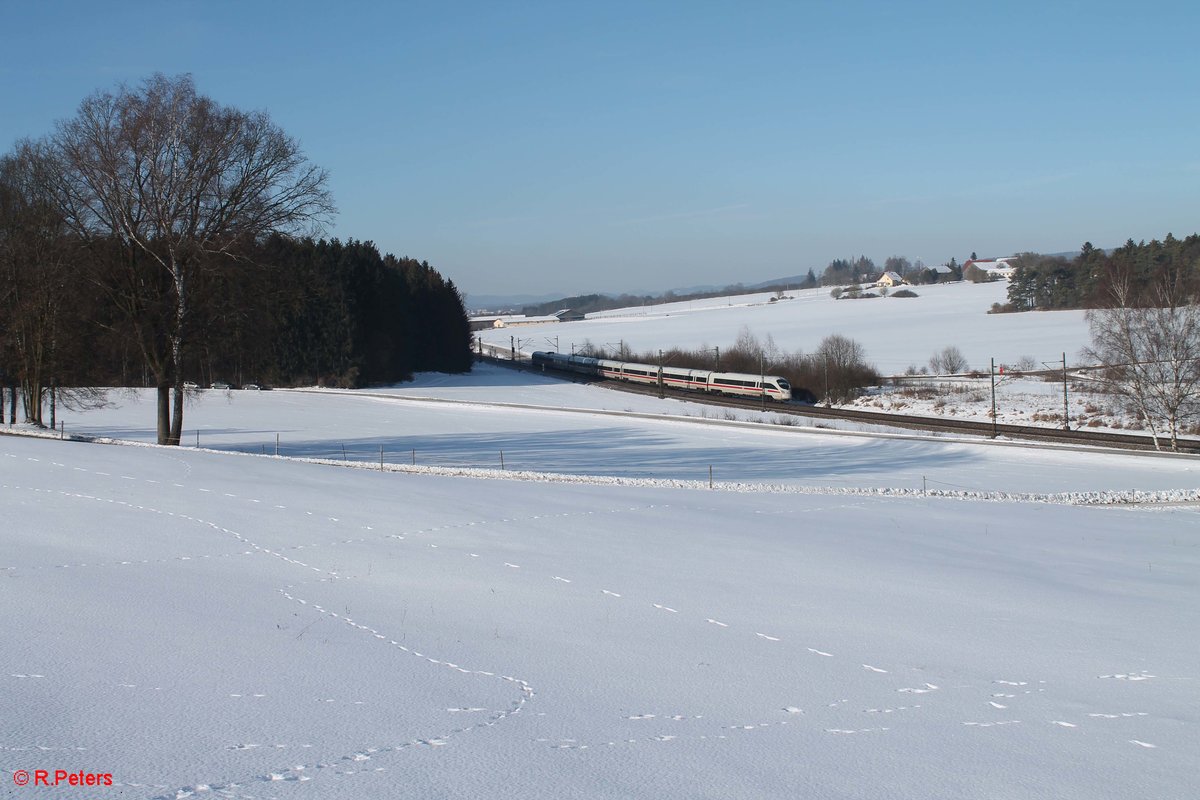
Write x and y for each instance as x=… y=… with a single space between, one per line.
x=738 y=384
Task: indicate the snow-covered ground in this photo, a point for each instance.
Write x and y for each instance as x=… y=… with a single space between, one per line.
x=1019 y=401
x=541 y=424
x=896 y=332
x=202 y=623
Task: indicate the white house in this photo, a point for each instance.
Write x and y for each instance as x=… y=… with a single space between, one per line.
x=998 y=267
x=890 y=279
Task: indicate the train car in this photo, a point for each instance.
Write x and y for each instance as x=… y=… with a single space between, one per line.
x=734 y=384
x=569 y=363
x=740 y=384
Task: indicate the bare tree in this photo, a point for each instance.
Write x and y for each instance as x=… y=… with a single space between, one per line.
x=948 y=361
x=843 y=366
x=1151 y=355
x=179 y=181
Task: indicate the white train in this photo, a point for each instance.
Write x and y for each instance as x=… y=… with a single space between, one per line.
x=738 y=384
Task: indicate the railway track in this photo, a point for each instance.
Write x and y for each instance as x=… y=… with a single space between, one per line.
x=932 y=424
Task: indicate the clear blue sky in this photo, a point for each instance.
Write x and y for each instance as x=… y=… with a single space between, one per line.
x=562 y=147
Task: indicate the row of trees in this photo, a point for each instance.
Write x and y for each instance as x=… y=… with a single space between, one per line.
x=843 y=271
x=1139 y=270
x=835 y=372
x=159 y=237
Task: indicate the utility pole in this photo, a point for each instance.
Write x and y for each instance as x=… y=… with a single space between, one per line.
x=1066 y=406
x=661 y=391
x=762 y=380
x=512 y=348
x=717 y=368
x=826 y=379
x=993 y=376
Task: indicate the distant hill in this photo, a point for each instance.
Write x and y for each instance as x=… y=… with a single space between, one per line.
x=504 y=302
x=603 y=301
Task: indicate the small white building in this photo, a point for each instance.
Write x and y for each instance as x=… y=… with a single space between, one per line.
x=994 y=267
x=890 y=278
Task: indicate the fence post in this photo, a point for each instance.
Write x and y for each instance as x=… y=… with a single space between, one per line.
x=710 y=476
x=277 y=445
x=381 y=458
x=501 y=459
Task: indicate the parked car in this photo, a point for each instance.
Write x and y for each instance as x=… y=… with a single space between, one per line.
x=252 y=387
x=221 y=385
x=190 y=385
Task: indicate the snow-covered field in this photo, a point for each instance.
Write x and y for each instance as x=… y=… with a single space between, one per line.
x=199 y=623
x=896 y=332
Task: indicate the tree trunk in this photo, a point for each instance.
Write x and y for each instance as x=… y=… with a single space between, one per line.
x=181 y=305
x=164 y=413
x=177 y=415
x=31 y=397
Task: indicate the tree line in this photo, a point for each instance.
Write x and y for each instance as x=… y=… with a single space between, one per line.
x=1143 y=314
x=835 y=372
x=159 y=238
x=1045 y=283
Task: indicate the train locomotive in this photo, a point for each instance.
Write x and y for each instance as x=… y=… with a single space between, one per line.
x=736 y=384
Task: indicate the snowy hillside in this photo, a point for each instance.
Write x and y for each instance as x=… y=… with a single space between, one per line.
x=896 y=332
x=220 y=624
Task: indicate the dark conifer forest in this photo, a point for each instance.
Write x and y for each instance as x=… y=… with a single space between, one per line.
x=159 y=238
x=1139 y=271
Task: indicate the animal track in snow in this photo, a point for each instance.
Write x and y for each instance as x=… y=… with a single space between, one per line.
x=874 y=669
x=925 y=689
x=1132 y=676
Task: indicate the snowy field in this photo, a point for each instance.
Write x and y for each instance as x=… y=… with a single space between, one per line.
x=542 y=424
x=204 y=623
x=895 y=332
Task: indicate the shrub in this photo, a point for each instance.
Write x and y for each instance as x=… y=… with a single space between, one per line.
x=949 y=361
x=904 y=293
